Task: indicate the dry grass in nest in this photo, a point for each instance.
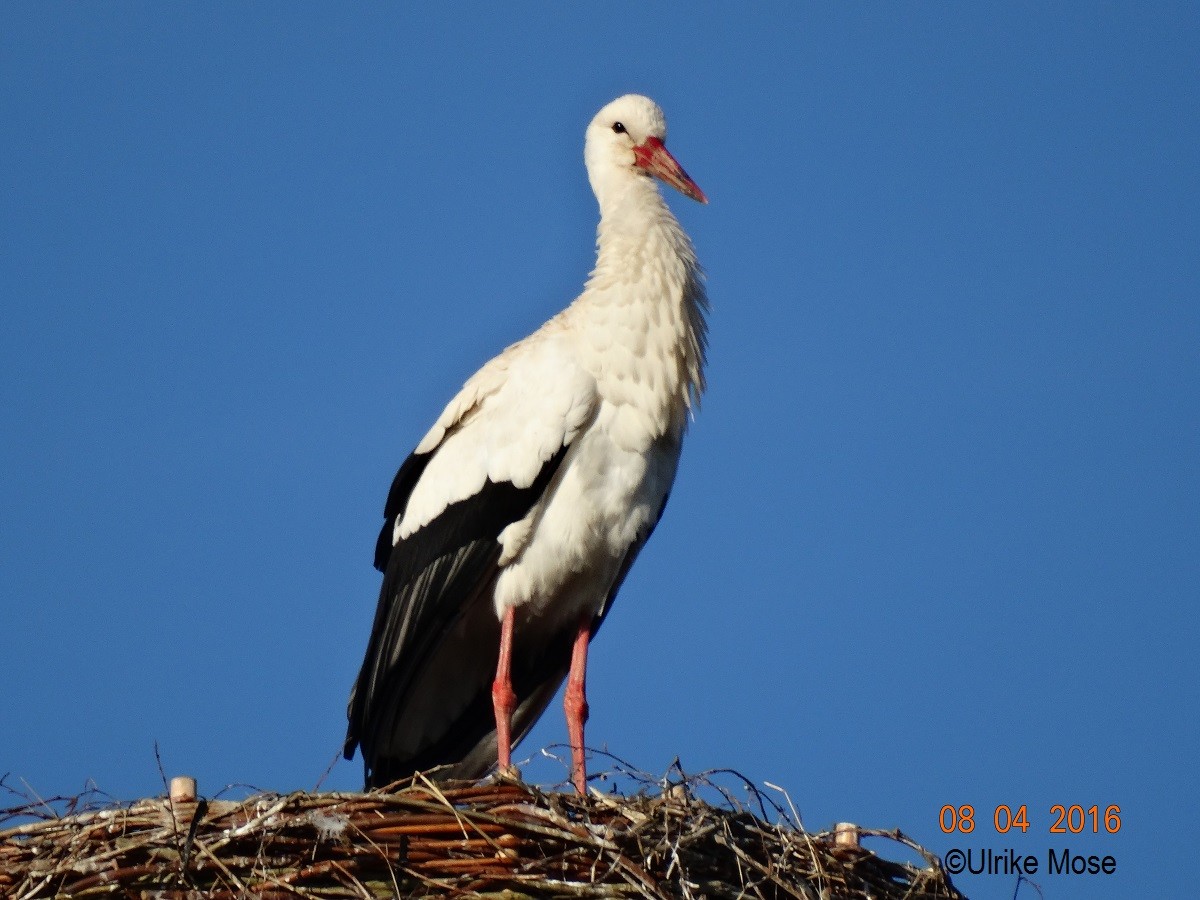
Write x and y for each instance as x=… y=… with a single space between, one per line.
x=425 y=839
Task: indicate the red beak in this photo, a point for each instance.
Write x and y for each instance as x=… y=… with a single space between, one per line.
x=652 y=156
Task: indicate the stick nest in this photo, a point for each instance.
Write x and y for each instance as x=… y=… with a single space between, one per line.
x=423 y=839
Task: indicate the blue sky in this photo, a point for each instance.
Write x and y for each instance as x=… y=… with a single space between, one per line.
x=936 y=534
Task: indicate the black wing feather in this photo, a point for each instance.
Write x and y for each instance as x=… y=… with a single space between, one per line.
x=540 y=662
x=402 y=487
x=435 y=604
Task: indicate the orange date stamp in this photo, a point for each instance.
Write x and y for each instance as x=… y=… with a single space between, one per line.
x=1062 y=819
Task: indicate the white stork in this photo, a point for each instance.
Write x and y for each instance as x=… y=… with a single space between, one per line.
x=510 y=528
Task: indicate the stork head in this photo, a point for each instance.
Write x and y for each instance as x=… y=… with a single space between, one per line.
x=625 y=141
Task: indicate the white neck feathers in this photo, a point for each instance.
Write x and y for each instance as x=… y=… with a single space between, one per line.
x=642 y=312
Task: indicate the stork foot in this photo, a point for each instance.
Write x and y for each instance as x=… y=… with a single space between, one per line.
x=508 y=773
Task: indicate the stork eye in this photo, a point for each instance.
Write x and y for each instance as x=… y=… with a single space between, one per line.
x=618 y=128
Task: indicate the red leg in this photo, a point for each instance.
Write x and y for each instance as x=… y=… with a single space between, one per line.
x=575 y=704
x=504 y=699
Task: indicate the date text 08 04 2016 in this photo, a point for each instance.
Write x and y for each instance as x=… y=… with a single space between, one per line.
x=1072 y=819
